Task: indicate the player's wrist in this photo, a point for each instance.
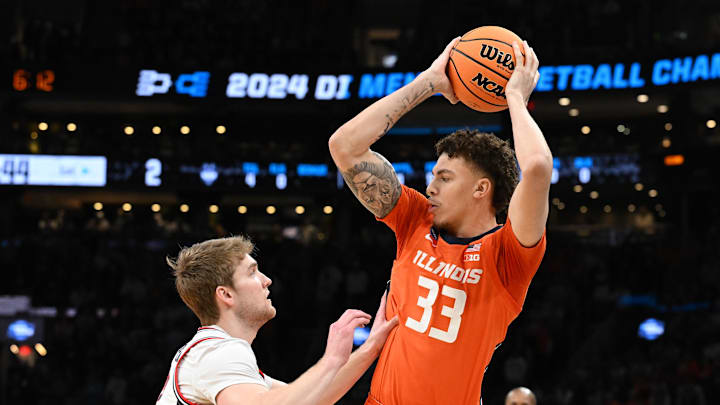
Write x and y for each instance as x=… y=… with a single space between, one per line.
x=433 y=77
x=330 y=363
x=514 y=96
x=372 y=346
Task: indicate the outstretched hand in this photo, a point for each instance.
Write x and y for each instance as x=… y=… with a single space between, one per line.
x=381 y=327
x=340 y=337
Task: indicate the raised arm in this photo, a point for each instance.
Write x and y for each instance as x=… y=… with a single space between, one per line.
x=529 y=207
x=368 y=174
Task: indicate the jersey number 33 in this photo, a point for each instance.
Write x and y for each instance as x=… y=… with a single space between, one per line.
x=426 y=303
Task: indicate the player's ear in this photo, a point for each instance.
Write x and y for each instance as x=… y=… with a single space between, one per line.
x=224 y=295
x=482 y=188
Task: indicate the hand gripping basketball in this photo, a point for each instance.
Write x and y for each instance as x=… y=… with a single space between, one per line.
x=480 y=66
x=526 y=75
x=438 y=76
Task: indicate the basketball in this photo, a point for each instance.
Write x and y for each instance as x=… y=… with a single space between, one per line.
x=480 y=66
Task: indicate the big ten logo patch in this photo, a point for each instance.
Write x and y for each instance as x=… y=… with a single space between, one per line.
x=471 y=257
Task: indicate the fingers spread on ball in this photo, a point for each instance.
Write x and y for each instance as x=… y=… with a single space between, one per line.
x=518 y=55
x=534 y=62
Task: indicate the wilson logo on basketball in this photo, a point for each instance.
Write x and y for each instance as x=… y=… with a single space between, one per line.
x=489 y=85
x=491 y=53
x=480 y=66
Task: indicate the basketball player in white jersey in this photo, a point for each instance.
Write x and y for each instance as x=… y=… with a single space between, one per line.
x=221 y=283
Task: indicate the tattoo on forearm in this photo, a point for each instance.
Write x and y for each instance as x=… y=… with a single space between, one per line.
x=406 y=104
x=388 y=124
x=375 y=184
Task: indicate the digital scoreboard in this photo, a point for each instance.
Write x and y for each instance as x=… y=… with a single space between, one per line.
x=260 y=84
x=359 y=86
x=53 y=170
x=154 y=173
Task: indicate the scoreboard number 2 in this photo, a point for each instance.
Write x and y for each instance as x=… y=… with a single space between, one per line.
x=153 y=171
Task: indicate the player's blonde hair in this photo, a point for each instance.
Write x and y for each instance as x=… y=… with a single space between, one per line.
x=202 y=267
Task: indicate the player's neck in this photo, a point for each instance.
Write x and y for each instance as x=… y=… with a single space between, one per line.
x=476 y=225
x=236 y=328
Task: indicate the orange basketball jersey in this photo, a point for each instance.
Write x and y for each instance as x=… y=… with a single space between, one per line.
x=455 y=299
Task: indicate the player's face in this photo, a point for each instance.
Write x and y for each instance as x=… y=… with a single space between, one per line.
x=450 y=193
x=252 y=287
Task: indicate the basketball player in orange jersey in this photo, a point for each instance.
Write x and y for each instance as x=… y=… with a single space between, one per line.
x=459 y=277
x=222 y=284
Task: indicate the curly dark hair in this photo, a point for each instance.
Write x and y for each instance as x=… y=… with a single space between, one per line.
x=489 y=154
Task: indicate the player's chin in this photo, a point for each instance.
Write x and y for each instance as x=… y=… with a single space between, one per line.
x=442 y=225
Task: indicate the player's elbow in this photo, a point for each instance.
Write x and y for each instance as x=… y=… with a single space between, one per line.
x=340 y=146
x=538 y=167
x=335 y=143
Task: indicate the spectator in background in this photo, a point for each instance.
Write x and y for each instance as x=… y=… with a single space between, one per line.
x=520 y=396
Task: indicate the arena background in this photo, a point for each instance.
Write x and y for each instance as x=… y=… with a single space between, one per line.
x=629 y=104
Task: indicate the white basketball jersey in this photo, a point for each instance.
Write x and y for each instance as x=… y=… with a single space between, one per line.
x=211 y=361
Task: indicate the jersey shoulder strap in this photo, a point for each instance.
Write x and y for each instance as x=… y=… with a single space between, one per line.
x=203 y=334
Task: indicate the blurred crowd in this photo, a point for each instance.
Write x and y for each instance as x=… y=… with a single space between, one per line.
x=275 y=34
x=575 y=342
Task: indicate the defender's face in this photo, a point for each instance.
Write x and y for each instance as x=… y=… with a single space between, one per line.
x=450 y=193
x=252 y=288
